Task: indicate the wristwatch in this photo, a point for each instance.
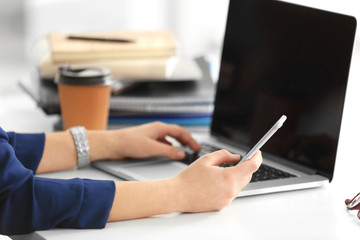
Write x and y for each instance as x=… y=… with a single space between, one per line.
x=82 y=145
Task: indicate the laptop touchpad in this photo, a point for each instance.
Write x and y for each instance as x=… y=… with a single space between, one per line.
x=150 y=169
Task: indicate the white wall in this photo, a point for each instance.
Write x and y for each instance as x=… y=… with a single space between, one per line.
x=197 y=24
x=11 y=29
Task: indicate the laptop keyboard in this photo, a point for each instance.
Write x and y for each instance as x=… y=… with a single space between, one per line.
x=264 y=173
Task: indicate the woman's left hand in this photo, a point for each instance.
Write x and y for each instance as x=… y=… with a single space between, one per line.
x=145 y=140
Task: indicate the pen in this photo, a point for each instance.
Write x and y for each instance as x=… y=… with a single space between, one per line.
x=121 y=40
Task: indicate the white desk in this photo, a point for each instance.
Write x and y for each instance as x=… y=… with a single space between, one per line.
x=307 y=214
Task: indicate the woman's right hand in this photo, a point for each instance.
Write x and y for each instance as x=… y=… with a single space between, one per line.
x=204 y=186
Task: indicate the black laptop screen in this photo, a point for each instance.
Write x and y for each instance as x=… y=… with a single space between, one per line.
x=280 y=58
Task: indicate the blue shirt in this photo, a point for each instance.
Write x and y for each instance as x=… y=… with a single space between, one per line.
x=29 y=203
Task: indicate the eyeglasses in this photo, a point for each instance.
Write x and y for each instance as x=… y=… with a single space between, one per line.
x=354 y=204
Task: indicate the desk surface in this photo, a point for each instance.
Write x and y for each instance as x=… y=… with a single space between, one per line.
x=318 y=213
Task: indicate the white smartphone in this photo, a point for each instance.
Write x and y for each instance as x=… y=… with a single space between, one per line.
x=264 y=139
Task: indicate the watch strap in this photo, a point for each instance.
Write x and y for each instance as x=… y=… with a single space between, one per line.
x=82 y=145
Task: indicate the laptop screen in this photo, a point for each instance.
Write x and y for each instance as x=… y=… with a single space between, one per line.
x=281 y=58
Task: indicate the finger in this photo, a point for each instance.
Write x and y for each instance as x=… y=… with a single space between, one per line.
x=249 y=166
x=181 y=135
x=218 y=157
x=162 y=149
x=165 y=141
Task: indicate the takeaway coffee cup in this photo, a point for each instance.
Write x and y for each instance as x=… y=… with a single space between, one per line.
x=84 y=96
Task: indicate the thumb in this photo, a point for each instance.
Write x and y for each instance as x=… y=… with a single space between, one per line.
x=218 y=157
x=251 y=165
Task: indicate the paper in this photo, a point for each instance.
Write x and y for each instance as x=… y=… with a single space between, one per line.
x=2 y=237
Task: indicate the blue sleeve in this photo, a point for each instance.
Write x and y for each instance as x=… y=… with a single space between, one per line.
x=29 y=203
x=28 y=148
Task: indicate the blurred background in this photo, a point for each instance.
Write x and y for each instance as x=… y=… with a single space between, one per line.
x=197 y=24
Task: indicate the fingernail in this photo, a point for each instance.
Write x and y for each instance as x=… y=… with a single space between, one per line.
x=180 y=154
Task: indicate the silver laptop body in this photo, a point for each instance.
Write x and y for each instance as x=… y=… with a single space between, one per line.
x=278 y=58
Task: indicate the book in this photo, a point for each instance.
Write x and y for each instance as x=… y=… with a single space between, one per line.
x=143 y=44
x=133 y=69
x=44 y=93
x=149 y=97
x=180 y=119
x=169 y=96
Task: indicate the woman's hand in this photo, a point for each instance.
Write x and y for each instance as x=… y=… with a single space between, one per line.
x=141 y=141
x=204 y=186
x=136 y=142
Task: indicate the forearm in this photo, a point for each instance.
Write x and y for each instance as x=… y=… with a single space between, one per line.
x=142 y=199
x=136 y=142
x=60 y=152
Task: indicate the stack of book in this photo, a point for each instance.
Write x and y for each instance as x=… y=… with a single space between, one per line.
x=151 y=82
x=188 y=103
x=127 y=54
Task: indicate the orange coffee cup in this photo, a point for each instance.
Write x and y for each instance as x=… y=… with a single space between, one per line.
x=84 y=96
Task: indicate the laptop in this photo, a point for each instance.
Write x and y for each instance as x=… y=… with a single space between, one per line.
x=277 y=59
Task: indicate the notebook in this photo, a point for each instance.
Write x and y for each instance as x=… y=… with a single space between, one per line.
x=278 y=59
